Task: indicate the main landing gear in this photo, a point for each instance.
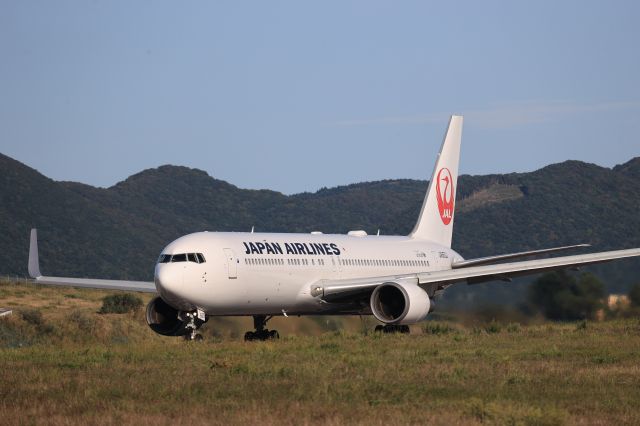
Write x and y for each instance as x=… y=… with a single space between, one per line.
x=392 y=328
x=261 y=333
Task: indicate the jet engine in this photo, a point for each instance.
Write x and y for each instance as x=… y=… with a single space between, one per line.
x=395 y=303
x=164 y=319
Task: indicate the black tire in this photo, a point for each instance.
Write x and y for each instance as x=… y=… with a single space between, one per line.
x=404 y=329
x=379 y=328
x=249 y=336
x=273 y=334
x=198 y=337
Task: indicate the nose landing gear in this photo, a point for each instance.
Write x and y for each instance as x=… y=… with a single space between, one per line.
x=261 y=333
x=193 y=323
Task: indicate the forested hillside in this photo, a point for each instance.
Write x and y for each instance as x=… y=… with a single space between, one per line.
x=118 y=232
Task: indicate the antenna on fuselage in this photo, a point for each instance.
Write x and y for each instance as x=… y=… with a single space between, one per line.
x=378 y=234
x=252 y=229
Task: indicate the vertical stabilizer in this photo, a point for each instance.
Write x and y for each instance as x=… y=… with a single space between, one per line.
x=34 y=262
x=435 y=222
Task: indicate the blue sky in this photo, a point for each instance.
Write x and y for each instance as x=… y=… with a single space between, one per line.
x=294 y=96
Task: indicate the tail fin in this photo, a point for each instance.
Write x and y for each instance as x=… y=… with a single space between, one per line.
x=435 y=222
x=34 y=263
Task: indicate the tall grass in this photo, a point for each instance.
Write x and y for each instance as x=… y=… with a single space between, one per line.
x=109 y=369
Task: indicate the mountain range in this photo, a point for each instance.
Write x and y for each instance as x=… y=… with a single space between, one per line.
x=118 y=232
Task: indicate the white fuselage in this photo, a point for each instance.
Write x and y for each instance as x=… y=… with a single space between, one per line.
x=270 y=274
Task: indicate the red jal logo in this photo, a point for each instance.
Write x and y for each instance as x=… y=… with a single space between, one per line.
x=445 y=195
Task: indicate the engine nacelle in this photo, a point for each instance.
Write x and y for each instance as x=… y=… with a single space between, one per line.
x=165 y=319
x=395 y=303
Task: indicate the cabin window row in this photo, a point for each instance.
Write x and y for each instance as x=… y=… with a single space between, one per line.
x=342 y=262
x=382 y=262
x=292 y=262
x=182 y=257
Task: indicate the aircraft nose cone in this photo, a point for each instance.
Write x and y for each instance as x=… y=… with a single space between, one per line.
x=168 y=280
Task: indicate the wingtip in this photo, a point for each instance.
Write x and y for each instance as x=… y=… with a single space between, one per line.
x=34 y=262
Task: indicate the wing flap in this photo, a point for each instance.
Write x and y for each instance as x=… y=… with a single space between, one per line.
x=493 y=259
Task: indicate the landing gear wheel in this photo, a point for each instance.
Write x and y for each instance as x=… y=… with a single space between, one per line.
x=261 y=333
x=392 y=328
x=193 y=337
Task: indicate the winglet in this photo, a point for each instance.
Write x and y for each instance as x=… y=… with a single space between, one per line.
x=436 y=217
x=34 y=262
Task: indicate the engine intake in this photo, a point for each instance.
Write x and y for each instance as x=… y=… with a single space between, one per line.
x=399 y=303
x=165 y=319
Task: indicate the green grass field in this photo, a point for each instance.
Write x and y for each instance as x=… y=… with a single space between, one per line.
x=74 y=366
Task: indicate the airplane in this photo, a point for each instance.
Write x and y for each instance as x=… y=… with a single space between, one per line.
x=393 y=278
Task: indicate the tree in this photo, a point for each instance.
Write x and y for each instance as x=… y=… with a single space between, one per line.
x=634 y=295
x=561 y=297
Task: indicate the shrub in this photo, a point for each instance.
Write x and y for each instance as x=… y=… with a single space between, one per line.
x=634 y=295
x=32 y=316
x=120 y=304
x=561 y=296
x=493 y=327
x=84 y=322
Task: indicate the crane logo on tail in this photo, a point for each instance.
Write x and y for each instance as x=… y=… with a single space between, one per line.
x=445 y=194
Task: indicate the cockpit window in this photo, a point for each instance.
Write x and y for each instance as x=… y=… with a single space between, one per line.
x=182 y=257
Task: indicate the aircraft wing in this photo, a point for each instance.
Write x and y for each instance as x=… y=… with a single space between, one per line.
x=34 y=272
x=479 y=274
x=337 y=290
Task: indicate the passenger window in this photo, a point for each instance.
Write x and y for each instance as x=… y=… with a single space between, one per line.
x=179 y=258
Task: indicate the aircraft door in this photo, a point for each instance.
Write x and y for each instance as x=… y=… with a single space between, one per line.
x=232 y=263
